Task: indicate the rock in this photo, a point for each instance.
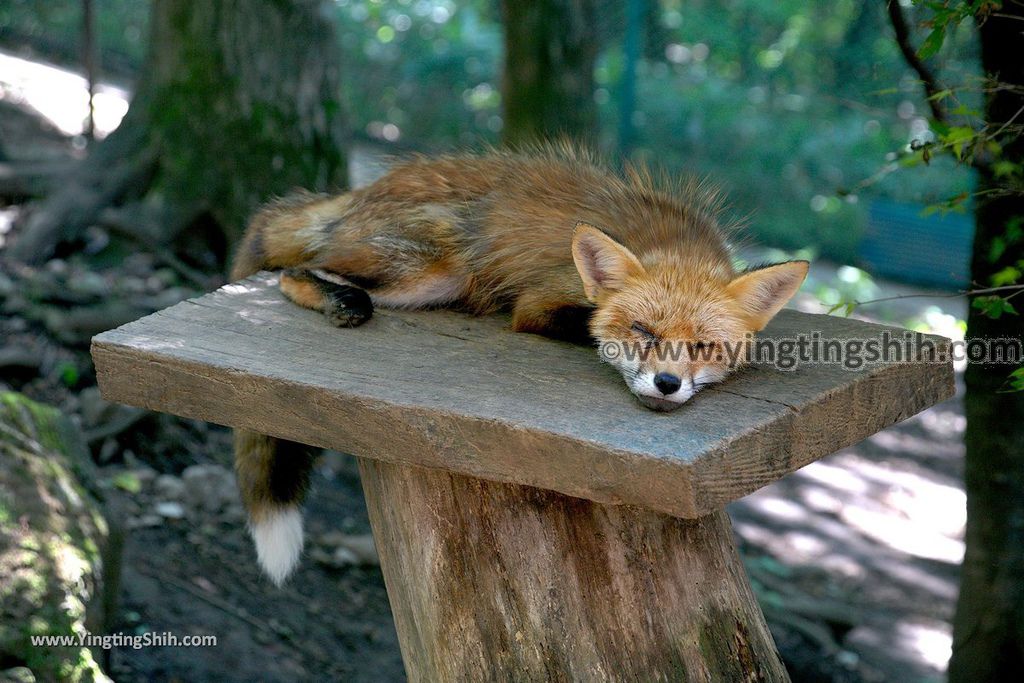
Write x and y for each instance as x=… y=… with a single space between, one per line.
x=58 y=559
x=170 y=510
x=90 y=284
x=107 y=451
x=169 y=487
x=57 y=266
x=350 y=549
x=209 y=488
x=145 y=475
x=94 y=408
x=7 y=286
x=343 y=557
x=144 y=521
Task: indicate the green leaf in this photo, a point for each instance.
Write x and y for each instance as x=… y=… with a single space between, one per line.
x=913 y=159
x=1017 y=379
x=1007 y=276
x=958 y=137
x=126 y=481
x=994 y=306
x=1004 y=168
x=1015 y=229
x=68 y=374
x=933 y=43
x=996 y=249
x=964 y=110
x=846 y=306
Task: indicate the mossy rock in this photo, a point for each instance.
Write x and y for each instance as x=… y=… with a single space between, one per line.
x=51 y=534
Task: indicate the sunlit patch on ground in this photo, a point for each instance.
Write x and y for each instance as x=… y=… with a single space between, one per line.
x=8 y=215
x=885 y=520
x=60 y=95
x=933 y=642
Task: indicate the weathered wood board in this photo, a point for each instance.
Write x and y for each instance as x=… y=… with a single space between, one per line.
x=444 y=390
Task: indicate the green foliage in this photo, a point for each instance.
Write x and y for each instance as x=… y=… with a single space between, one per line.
x=994 y=306
x=127 y=481
x=69 y=374
x=426 y=72
x=1016 y=380
x=946 y=16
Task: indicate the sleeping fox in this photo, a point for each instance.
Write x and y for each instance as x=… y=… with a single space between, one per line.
x=573 y=250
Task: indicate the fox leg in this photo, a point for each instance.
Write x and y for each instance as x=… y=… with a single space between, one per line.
x=555 y=316
x=344 y=304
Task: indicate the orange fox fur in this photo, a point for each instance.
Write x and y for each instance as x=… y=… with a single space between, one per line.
x=572 y=249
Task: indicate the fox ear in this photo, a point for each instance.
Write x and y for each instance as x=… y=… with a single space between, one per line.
x=603 y=263
x=763 y=292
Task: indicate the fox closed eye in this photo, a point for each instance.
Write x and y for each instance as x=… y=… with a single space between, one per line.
x=643 y=331
x=650 y=338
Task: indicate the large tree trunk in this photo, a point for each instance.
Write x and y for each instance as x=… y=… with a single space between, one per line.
x=988 y=633
x=238 y=100
x=548 y=87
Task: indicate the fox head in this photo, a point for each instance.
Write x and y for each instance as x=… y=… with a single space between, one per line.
x=673 y=325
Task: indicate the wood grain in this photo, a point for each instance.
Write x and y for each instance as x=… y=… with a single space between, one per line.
x=500 y=582
x=443 y=390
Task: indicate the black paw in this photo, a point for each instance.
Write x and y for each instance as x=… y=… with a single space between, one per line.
x=347 y=306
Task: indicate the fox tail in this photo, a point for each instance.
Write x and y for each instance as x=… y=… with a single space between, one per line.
x=273 y=477
x=273 y=474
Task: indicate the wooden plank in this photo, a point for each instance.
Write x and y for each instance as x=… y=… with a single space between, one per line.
x=444 y=390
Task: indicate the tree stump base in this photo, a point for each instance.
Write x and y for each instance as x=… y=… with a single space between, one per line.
x=493 y=582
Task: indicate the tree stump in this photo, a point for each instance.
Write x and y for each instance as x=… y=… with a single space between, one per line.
x=533 y=522
x=481 y=575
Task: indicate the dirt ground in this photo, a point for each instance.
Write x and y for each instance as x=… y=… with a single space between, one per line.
x=855 y=558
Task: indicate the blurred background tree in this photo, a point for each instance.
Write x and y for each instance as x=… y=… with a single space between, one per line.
x=548 y=82
x=237 y=101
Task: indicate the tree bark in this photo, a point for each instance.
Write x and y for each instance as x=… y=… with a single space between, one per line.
x=548 y=86
x=988 y=629
x=238 y=101
x=498 y=582
x=59 y=559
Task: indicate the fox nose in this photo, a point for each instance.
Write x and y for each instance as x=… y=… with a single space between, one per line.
x=667 y=383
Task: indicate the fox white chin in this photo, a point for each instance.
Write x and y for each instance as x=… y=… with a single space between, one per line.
x=661 y=405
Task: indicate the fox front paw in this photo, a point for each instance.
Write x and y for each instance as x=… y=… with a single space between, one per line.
x=347 y=306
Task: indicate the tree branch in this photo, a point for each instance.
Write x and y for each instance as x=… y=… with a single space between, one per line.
x=928 y=80
x=1015 y=289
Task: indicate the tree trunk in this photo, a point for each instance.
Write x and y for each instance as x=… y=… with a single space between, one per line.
x=988 y=630
x=548 y=87
x=238 y=101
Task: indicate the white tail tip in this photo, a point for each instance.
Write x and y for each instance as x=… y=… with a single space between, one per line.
x=278 y=539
